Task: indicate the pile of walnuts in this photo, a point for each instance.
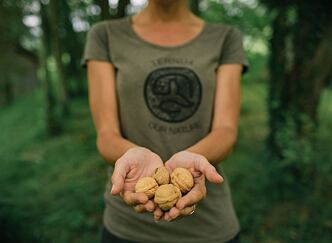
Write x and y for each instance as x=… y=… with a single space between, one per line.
x=166 y=189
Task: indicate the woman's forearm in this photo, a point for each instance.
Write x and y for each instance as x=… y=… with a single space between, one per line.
x=112 y=146
x=217 y=145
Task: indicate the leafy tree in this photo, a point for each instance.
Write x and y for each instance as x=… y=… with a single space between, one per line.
x=54 y=16
x=11 y=28
x=121 y=9
x=53 y=124
x=105 y=9
x=72 y=47
x=300 y=66
x=194 y=6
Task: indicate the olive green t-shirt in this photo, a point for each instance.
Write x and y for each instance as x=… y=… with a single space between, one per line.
x=165 y=98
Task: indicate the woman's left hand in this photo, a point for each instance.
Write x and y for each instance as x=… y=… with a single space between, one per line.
x=200 y=168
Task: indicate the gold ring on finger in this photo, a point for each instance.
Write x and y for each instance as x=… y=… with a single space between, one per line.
x=193 y=210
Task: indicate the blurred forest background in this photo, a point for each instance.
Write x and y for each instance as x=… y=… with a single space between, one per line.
x=51 y=176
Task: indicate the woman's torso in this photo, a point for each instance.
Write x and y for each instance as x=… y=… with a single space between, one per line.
x=165 y=99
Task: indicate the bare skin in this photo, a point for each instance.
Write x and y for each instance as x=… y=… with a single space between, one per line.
x=156 y=23
x=167 y=23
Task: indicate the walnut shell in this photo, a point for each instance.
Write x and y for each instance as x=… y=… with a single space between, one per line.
x=166 y=196
x=183 y=179
x=161 y=175
x=147 y=185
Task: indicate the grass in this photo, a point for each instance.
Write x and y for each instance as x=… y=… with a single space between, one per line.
x=51 y=188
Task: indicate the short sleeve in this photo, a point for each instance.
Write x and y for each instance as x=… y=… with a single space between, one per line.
x=232 y=51
x=96 y=45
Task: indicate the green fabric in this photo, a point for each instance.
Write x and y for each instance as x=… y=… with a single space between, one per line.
x=165 y=100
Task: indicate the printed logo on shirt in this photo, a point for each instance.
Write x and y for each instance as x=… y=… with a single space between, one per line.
x=173 y=94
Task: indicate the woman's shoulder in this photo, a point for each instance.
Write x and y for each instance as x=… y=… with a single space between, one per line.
x=221 y=30
x=110 y=24
x=221 y=27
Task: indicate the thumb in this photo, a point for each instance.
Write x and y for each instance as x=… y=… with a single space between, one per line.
x=212 y=175
x=169 y=165
x=119 y=176
x=209 y=171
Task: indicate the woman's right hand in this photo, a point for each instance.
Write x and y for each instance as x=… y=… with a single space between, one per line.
x=136 y=163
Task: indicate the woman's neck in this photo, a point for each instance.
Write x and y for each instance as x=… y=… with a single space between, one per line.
x=166 y=11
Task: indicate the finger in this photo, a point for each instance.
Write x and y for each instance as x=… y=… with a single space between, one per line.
x=158 y=214
x=174 y=213
x=167 y=217
x=210 y=172
x=149 y=206
x=119 y=175
x=133 y=198
x=212 y=175
x=187 y=210
x=192 y=197
x=170 y=166
x=139 y=208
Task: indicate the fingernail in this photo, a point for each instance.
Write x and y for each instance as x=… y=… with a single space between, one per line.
x=112 y=189
x=222 y=179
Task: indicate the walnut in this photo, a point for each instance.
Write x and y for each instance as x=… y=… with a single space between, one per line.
x=183 y=179
x=147 y=185
x=161 y=175
x=166 y=196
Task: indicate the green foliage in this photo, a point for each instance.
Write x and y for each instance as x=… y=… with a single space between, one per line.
x=304 y=216
x=11 y=12
x=249 y=16
x=51 y=187
x=300 y=63
x=296 y=161
x=253 y=20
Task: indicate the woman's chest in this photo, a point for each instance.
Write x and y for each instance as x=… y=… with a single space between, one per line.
x=162 y=72
x=168 y=36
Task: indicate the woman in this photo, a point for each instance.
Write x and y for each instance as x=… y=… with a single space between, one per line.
x=164 y=88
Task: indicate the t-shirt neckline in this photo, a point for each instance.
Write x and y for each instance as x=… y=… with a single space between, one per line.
x=187 y=43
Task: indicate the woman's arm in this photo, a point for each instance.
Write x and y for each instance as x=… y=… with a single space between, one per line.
x=130 y=161
x=219 y=142
x=103 y=105
x=215 y=146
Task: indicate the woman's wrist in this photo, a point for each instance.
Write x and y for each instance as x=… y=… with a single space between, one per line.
x=111 y=146
x=139 y=148
x=212 y=151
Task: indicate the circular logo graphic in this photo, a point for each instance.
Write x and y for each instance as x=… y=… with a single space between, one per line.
x=172 y=94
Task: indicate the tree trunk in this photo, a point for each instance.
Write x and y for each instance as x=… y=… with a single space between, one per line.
x=194 y=6
x=8 y=90
x=278 y=80
x=312 y=64
x=57 y=52
x=121 y=10
x=300 y=65
x=53 y=125
x=105 y=9
x=73 y=48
